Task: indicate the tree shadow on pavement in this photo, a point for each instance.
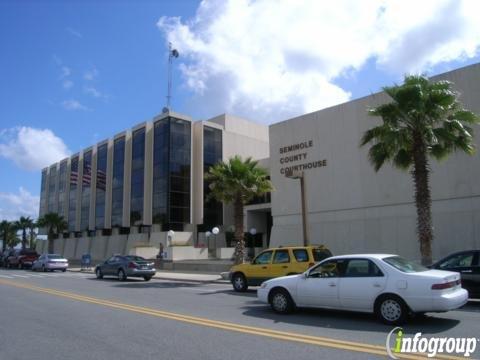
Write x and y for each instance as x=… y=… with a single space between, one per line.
x=248 y=293
x=345 y=320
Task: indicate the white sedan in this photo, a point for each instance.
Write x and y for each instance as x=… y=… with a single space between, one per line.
x=387 y=285
x=50 y=262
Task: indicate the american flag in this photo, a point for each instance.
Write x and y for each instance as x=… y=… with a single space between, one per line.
x=87 y=175
x=101 y=179
x=73 y=177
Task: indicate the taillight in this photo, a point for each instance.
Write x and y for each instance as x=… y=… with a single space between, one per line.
x=132 y=265
x=446 y=285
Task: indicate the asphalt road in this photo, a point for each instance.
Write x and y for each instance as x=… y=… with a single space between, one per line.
x=75 y=316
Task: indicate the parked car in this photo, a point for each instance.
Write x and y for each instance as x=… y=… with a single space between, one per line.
x=387 y=285
x=3 y=257
x=467 y=263
x=275 y=262
x=21 y=258
x=126 y=266
x=50 y=262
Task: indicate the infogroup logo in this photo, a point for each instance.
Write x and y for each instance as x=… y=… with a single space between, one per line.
x=430 y=346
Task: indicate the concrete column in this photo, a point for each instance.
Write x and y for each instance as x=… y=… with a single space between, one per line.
x=148 y=175
x=108 y=192
x=93 y=190
x=197 y=173
x=127 y=177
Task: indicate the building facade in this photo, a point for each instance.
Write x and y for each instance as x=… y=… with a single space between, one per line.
x=350 y=207
x=124 y=194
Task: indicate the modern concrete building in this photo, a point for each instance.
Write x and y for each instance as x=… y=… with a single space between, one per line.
x=350 y=207
x=123 y=194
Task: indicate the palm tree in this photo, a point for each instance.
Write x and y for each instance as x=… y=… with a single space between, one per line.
x=237 y=181
x=33 y=235
x=23 y=224
x=55 y=224
x=425 y=119
x=8 y=234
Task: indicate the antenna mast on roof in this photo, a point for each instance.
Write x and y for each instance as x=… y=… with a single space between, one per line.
x=172 y=53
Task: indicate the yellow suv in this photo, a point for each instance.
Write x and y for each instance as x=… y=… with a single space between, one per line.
x=275 y=262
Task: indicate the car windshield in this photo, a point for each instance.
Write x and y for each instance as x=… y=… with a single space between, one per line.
x=404 y=265
x=321 y=254
x=135 y=258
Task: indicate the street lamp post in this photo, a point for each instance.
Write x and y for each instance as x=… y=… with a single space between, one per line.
x=301 y=175
x=215 y=232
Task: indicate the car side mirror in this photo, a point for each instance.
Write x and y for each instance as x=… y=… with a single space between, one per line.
x=305 y=274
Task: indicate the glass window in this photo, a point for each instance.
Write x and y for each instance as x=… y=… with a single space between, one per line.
x=263 y=258
x=72 y=196
x=86 y=190
x=212 y=154
x=357 y=268
x=404 y=265
x=101 y=186
x=320 y=254
x=281 y=257
x=301 y=255
x=117 y=181
x=460 y=260
x=326 y=269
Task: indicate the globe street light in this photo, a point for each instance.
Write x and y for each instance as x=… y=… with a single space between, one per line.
x=215 y=232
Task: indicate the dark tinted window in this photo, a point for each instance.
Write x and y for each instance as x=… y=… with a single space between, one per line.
x=72 y=195
x=117 y=181
x=361 y=268
x=301 y=255
x=101 y=186
x=138 y=164
x=86 y=190
x=321 y=254
x=460 y=260
x=212 y=154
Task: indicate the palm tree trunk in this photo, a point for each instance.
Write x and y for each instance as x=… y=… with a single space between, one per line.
x=24 y=238
x=50 y=240
x=239 y=241
x=423 y=200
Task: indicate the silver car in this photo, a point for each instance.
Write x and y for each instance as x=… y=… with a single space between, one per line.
x=50 y=262
x=126 y=266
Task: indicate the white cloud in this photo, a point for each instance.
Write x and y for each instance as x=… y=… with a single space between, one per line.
x=74 y=32
x=67 y=84
x=30 y=148
x=91 y=75
x=272 y=59
x=95 y=92
x=14 y=205
x=66 y=72
x=74 y=105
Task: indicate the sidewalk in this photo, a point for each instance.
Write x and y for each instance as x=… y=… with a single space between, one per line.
x=175 y=276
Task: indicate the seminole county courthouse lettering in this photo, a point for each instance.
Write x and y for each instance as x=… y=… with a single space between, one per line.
x=143 y=189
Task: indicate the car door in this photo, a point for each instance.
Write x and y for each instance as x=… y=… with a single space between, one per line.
x=107 y=267
x=259 y=270
x=319 y=288
x=360 y=284
x=281 y=263
x=464 y=264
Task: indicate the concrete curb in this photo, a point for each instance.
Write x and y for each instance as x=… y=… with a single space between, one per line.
x=159 y=277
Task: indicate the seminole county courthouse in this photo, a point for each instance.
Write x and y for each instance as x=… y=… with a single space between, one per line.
x=143 y=189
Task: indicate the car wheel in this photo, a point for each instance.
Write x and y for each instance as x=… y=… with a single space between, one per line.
x=63 y=270
x=281 y=301
x=121 y=275
x=147 y=278
x=98 y=273
x=391 y=310
x=239 y=282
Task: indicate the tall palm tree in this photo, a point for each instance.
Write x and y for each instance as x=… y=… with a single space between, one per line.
x=23 y=224
x=237 y=181
x=424 y=120
x=33 y=235
x=8 y=233
x=55 y=224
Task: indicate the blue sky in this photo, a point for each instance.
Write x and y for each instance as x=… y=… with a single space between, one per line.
x=75 y=72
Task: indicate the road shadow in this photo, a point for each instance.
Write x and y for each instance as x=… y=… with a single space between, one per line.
x=471 y=306
x=345 y=320
x=140 y=284
x=248 y=293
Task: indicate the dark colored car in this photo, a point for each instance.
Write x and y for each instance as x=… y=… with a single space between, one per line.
x=3 y=257
x=467 y=264
x=21 y=258
x=123 y=266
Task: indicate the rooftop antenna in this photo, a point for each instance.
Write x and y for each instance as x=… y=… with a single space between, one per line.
x=172 y=53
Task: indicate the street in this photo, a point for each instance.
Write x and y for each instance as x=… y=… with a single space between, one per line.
x=73 y=315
